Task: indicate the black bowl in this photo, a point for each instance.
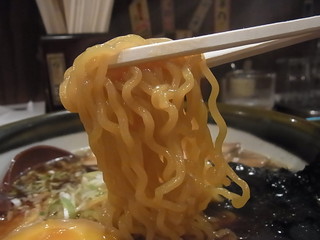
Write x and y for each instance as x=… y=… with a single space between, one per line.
x=294 y=134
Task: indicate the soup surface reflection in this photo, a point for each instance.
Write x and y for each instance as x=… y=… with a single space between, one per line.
x=284 y=205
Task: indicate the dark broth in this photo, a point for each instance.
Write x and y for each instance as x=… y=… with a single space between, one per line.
x=283 y=205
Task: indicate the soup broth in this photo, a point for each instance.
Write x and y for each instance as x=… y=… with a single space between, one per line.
x=74 y=189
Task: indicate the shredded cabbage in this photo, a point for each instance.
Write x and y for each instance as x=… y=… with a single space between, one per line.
x=65 y=192
x=83 y=199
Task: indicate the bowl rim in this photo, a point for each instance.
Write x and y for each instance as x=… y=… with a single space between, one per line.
x=259 y=122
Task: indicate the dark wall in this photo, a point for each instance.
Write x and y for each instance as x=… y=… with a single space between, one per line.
x=20 y=27
x=21 y=30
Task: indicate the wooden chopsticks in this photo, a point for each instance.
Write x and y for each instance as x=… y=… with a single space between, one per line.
x=265 y=37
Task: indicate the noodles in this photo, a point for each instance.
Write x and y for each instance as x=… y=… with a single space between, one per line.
x=147 y=126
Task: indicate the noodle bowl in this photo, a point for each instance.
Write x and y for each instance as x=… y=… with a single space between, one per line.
x=147 y=126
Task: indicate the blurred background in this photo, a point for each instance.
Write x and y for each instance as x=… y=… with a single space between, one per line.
x=39 y=39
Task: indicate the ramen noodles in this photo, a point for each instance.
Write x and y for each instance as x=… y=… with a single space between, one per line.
x=147 y=126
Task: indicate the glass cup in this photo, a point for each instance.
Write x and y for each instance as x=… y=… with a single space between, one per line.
x=298 y=82
x=249 y=88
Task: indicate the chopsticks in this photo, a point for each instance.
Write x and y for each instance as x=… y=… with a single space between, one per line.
x=219 y=57
x=288 y=32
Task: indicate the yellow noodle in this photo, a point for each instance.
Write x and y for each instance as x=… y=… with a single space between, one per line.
x=147 y=126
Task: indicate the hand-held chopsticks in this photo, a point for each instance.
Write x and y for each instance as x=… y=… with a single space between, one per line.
x=217 y=41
